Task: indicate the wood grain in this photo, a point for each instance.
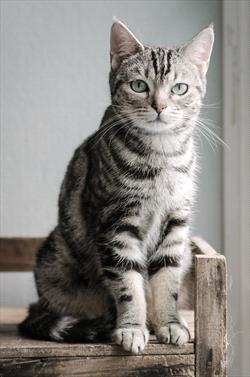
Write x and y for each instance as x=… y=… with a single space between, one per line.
x=210 y=315
x=18 y=254
x=123 y=366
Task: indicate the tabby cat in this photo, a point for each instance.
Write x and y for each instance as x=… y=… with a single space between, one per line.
x=112 y=267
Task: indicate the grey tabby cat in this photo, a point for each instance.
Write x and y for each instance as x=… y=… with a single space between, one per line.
x=113 y=265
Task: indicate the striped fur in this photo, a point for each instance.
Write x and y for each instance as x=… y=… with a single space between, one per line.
x=125 y=207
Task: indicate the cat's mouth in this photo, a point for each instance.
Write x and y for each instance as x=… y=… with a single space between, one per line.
x=161 y=119
x=158 y=121
x=159 y=124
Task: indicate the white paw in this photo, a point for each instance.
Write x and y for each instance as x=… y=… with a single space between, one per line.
x=131 y=339
x=174 y=333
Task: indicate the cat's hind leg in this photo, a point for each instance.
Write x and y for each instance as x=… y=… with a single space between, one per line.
x=44 y=324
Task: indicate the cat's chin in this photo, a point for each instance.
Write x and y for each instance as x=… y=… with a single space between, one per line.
x=156 y=127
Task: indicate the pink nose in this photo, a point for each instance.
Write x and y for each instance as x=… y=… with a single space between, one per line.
x=158 y=107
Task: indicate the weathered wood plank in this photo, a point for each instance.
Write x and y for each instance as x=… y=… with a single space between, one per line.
x=20 y=347
x=12 y=345
x=210 y=315
x=202 y=247
x=18 y=254
x=122 y=366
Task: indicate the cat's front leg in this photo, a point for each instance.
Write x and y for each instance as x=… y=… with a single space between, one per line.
x=131 y=331
x=123 y=266
x=165 y=274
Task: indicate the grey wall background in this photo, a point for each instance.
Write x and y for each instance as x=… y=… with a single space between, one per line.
x=54 y=89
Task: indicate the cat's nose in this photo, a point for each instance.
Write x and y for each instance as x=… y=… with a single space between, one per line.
x=158 y=107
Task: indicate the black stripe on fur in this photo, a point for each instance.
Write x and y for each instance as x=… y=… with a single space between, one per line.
x=132 y=230
x=114 y=219
x=111 y=275
x=168 y=226
x=154 y=60
x=125 y=298
x=111 y=260
x=169 y=55
x=166 y=261
x=135 y=172
x=162 y=57
x=133 y=142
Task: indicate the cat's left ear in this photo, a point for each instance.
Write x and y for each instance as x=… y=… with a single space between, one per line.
x=122 y=43
x=199 y=49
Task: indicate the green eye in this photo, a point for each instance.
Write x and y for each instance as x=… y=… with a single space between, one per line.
x=139 y=86
x=180 y=89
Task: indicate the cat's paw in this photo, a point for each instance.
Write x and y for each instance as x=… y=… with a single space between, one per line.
x=132 y=339
x=174 y=333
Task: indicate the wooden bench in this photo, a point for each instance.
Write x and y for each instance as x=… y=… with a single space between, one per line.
x=203 y=356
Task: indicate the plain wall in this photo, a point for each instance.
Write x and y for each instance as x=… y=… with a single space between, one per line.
x=54 y=89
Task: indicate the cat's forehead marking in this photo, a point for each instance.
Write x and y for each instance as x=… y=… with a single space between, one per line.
x=158 y=62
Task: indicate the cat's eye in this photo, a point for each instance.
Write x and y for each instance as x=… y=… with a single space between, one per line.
x=139 y=86
x=180 y=89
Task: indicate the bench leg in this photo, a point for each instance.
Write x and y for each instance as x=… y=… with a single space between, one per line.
x=210 y=315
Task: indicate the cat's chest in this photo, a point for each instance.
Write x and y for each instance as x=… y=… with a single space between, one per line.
x=170 y=196
x=167 y=197
x=171 y=188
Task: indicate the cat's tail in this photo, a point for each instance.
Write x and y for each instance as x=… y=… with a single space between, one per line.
x=44 y=325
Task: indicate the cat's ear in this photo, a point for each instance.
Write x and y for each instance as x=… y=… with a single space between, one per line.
x=199 y=49
x=122 y=43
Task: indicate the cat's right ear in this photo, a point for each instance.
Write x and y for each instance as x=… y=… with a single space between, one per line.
x=122 y=43
x=199 y=49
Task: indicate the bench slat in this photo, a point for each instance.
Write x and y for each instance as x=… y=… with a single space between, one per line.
x=18 y=253
x=112 y=366
x=14 y=345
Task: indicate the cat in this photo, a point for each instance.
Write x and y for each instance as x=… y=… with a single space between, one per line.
x=113 y=266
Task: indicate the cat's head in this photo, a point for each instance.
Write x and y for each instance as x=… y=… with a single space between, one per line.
x=157 y=88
